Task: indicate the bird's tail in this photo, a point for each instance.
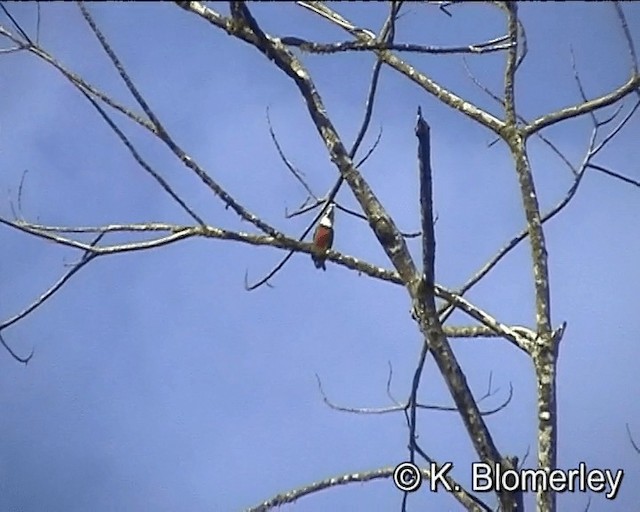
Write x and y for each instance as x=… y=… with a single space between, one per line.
x=318 y=262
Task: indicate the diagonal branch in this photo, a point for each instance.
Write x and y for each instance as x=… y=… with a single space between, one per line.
x=429 y=85
x=380 y=222
x=168 y=140
x=592 y=150
x=292 y=169
x=435 y=340
x=141 y=162
x=614 y=174
x=86 y=258
x=513 y=334
x=182 y=232
x=631 y=85
x=470 y=502
x=366 y=121
x=80 y=83
x=16 y=24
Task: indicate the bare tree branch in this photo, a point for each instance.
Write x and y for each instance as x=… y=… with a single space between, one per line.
x=540 y=342
x=401 y=407
x=364 y=126
x=178 y=233
x=80 y=83
x=424 y=310
x=469 y=501
x=631 y=85
x=16 y=24
x=407 y=70
x=292 y=169
x=627 y=35
x=168 y=140
x=13 y=354
x=86 y=258
x=428 y=317
x=381 y=223
x=494 y=45
x=614 y=174
x=138 y=158
x=592 y=150
x=633 y=443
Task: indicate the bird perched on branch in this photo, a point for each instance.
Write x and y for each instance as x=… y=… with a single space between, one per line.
x=323 y=238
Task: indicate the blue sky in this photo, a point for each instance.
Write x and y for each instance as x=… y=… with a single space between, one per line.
x=158 y=383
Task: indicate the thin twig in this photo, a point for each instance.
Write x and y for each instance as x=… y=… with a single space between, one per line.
x=16 y=24
x=627 y=35
x=404 y=406
x=364 y=126
x=13 y=354
x=633 y=443
x=614 y=174
x=87 y=257
x=168 y=140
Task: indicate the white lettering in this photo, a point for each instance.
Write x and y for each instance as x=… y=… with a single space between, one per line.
x=614 y=484
x=509 y=479
x=595 y=480
x=557 y=481
x=438 y=476
x=484 y=478
x=481 y=472
x=536 y=477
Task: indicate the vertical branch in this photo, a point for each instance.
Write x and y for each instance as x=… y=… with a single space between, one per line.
x=426 y=202
x=428 y=263
x=512 y=64
x=545 y=349
x=436 y=341
x=517 y=145
x=545 y=356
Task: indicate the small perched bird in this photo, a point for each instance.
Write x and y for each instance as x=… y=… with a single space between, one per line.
x=323 y=238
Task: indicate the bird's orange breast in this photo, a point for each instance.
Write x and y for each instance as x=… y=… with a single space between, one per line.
x=323 y=237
